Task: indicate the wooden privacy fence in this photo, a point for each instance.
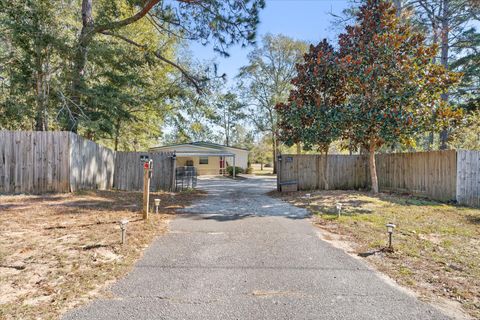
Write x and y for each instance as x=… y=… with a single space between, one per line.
x=34 y=162
x=53 y=161
x=91 y=165
x=439 y=175
x=344 y=172
x=129 y=171
x=468 y=177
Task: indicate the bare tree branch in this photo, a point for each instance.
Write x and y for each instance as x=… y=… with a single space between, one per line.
x=121 y=23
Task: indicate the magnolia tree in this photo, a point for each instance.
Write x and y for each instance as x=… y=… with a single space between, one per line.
x=313 y=116
x=392 y=82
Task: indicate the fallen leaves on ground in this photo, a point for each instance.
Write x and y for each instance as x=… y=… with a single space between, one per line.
x=59 y=250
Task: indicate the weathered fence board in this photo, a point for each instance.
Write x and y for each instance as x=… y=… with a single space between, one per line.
x=34 y=162
x=344 y=172
x=91 y=165
x=468 y=178
x=129 y=171
x=40 y=162
x=432 y=174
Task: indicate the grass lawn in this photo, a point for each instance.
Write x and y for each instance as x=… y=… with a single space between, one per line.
x=437 y=246
x=267 y=171
x=58 y=251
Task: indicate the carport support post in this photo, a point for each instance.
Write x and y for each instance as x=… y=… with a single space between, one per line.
x=174 y=168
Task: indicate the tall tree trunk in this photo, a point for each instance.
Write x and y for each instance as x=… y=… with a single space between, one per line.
x=274 y=151
x=325 y=170
x=299 y=148
x=429 y=140
x=373 y=167
x=40 y=108
x=79 y=64
x=80 y=57
x=117 y=134
x=444 y=62
x=40 y=92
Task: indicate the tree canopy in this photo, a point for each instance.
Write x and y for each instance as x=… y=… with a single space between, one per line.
x=266 y=81
x=112 y=71
x=379 y=89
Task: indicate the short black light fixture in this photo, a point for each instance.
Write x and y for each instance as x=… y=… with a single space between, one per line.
x=123 y=227
x=157 y=204
x=390 y=227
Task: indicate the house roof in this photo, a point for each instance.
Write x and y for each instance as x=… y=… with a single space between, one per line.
x=200 y=144
x=204 y=154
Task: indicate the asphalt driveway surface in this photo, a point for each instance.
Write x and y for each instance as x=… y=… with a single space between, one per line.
x=239 y=254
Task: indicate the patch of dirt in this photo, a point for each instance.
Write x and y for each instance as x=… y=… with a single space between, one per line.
x=58 y=251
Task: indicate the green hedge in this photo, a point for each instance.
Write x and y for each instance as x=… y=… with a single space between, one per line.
x=237 y=170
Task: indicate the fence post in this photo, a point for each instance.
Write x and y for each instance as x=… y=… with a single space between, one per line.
x=174 y=167
x=147 y=172
x=279 y=170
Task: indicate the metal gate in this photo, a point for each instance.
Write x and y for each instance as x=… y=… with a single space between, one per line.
x=185 y=177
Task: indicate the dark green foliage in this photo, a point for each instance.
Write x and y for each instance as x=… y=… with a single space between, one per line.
x=111 y=73
x=237 y=170
x=313 y=114
x=468 y=50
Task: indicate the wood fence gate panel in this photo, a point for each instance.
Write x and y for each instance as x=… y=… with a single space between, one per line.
x=468 y=178
x=344 y=172
x=432 y=174
x=91 y=165
x=129 y=171
x=33 y=162
x=307 y=172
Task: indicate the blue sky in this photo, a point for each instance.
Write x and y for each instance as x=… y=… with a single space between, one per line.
x=307 y=20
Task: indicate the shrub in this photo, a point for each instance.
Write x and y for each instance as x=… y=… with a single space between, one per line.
x=237 y=170
x=249 y=170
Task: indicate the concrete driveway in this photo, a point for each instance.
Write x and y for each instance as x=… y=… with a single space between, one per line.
x=239 y=254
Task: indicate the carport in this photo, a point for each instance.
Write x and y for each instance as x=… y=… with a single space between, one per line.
x=199 y=154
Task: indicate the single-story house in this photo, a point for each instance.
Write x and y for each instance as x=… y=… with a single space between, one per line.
x=208 y=158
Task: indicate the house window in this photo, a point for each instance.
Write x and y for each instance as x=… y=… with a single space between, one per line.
x=203 y=160
x=189 y=163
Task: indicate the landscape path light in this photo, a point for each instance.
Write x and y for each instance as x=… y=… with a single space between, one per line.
x=157 y=204
x=123 y=227
x=308 y=196
x=390 y=226
x=338 y=208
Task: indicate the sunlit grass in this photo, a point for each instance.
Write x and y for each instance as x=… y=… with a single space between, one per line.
x=437 y=246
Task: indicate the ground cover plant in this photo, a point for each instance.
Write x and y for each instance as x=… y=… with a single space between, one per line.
x=437 y=246
x=58 y=251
